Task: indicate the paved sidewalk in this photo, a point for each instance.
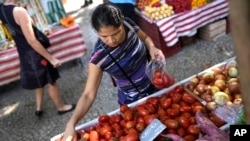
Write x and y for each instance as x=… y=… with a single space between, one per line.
x=17 y=106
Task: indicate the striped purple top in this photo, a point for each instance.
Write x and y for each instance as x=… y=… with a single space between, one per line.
x=131 y=56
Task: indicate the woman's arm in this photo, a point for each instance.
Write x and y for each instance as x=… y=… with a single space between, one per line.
x=86 y=100
x=23 y=19
x=155 y=53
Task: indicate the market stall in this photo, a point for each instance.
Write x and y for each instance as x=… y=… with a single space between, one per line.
x=167 y=31
x=66 y=44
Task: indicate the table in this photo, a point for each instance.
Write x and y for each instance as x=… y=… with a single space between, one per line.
x=66 y=44
x=187 y=23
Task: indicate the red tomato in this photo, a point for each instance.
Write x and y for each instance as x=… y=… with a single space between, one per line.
x=179 y=89
x=193 y=130
x=108 y=135
x=183 y=122
x=188 y=98
x=197 y=108
x=149 y=118
x=192 y=120
x=176 y=97
x=139 y=119
x=124 y=108
x=161 y=112
x=93 y=135
x=173 y=112
x=157 y=74
x=185 y=109
x=128 y=115
x=171 y=124
x=116 y=118
x=181 y=131
x=150 y=108
x=142 y=111
x=153 y=100
x=175 y=105
x=189 y=137
x=166 y=79
x=187 y=115
x=131 y=137
x=183 y=103
x=130 y=124
x=216 y=120
x=105 y=129
x=119 y=133
x=103 y=118
x=140 y=126
x=116 y=126
x=166 y=102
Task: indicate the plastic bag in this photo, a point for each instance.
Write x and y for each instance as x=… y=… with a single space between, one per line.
x=158 y=74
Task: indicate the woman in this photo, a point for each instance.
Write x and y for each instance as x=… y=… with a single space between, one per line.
x=121 y=52
x=37 y=65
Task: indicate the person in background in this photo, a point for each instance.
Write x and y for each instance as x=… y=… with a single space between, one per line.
x=86 y=3
x=38 y=67
x=121 y=51
x=127 y=7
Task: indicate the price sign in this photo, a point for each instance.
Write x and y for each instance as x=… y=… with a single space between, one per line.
x=152 y=130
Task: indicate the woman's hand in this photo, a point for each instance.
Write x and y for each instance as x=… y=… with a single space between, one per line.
x=156 y=54
x=55 y=62
x=70 y=134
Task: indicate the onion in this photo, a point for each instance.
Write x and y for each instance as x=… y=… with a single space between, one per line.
x=237 y=96
x=211 y=106
x=220 y=77
x=201 y=88
x=208 y=77
x=207 y=97
x=238 y=101
x=234 y=87
x=233 y=80
x=233 y=72
x=220 y=84
x=217 y=71
x=194 y=81
x=215 y=89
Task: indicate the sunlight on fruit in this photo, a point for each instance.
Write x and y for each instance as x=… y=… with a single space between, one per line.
x=8 y=109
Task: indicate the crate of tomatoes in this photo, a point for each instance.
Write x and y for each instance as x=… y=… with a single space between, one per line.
x=176 y=113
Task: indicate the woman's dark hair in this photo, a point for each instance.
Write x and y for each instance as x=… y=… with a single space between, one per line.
x=106 y=15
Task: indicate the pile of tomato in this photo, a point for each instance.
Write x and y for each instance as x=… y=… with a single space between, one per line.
x=162 y=79
x=175 y=109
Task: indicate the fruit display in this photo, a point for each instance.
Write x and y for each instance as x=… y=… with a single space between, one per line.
x=179 y=5
x=198 y=3
x=142 y=3
x=176 y=109
x=218 y=86
x=158 y=11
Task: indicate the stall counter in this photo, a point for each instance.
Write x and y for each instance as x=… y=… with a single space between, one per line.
x=66 y=44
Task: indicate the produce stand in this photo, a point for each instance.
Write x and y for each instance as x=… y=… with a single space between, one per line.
x=66 y=44
x=166 y=32
x=157 y=94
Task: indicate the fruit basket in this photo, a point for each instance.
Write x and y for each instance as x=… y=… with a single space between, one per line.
x=162 y=106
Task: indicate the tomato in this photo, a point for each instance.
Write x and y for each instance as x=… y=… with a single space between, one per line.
x=192 y=120
x=150 y=108
x=197 y=103
x=179 y=89
x=166 y=103
x=183 y=103
x=149 y=118
x=157 y=74
x=197 y=108
x=108 y=135
x=142 y=111
x=176 y=97
x=139 y=119
x=123 y=123
x=173 y=112
x=140 y=126
x=128 y=115
x=133 y=131
x=192 y=129
x=124 y=108
x=185 y=114
x=183 y=122
x=181 y=131
x=188 y=98
x=116 y=126
x=116 y=118
x=93 y=135
x=130 y=124
x=103 y=118
x=189 y=137
x=185 y=109
x=175 y=105
x=171 y=124
x=161 y=112
x=131 y=137
x=166 y=79
x=119 y=133
x=105 y=129
x=171 y=131
x=216 y=120
x=153 y=100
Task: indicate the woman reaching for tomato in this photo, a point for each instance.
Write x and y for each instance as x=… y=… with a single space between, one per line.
x=121 y=51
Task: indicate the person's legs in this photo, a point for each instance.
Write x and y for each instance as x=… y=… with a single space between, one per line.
x=56 y=98
x=39 y=98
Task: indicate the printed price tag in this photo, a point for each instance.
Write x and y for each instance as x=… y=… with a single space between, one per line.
x=152 y=130
x=238 y=132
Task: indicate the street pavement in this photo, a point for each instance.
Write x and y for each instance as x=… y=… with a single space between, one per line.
x=19 y=123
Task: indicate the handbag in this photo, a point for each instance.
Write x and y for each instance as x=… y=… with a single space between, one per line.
x=42 y=38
